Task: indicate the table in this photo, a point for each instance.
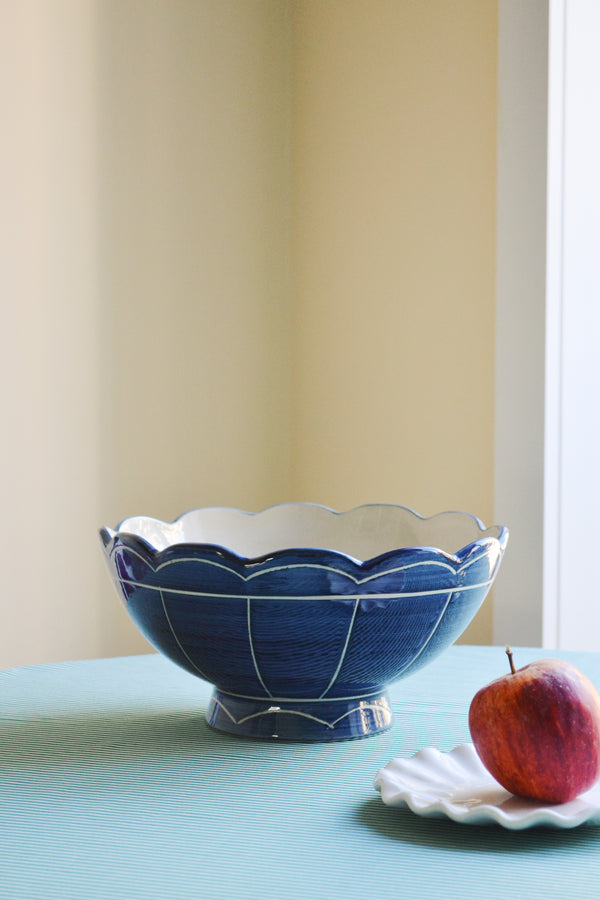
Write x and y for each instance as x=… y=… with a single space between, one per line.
x=112 y=786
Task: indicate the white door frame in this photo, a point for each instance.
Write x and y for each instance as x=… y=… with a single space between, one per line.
x=548 y=321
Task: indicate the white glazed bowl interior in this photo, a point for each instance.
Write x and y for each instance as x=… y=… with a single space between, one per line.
x=361 y=533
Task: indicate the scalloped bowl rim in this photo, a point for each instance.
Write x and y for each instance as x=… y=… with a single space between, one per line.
x=159 y=536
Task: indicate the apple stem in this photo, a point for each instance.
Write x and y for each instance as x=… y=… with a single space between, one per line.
x=510 y=659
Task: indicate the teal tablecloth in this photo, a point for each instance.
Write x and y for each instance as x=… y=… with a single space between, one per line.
x=112 y=786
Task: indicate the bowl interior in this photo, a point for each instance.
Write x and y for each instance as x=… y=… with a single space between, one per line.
x=361 y=533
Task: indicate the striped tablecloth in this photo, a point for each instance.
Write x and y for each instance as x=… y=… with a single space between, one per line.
x=112 y=786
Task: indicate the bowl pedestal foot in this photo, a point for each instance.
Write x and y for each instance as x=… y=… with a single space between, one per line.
x=299 y=720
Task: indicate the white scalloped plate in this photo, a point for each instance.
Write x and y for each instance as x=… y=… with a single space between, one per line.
x=457 y=785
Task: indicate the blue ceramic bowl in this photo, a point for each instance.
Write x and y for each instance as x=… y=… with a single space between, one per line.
x=299 y=615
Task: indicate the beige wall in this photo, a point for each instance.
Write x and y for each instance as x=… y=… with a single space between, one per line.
x=194 y=211
x=146 y=302
x=251 y=259
x=50 y=449
x=194 y=208
x=394 y=142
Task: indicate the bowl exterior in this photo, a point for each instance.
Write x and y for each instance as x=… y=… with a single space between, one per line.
x=307 y=635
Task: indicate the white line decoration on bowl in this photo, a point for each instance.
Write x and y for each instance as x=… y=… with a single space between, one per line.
x=263 y=572
x=323 y=696
x=301 y=597
x=251 y=642
x=179 y=644
x=346 y=597
x=296 y=712
x=344 y=649
x=329 y=597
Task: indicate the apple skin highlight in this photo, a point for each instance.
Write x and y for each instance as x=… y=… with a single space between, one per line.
x=537 y=730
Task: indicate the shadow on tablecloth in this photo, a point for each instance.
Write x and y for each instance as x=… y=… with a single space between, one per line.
x=400 y=824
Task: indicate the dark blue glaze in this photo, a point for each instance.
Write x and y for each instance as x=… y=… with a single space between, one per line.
x=300 y=644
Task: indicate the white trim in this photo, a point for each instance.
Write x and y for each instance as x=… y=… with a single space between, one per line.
x=521 y=316
x=547 y=386
x=554 y=324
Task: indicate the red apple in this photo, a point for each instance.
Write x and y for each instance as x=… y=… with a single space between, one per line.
x=537 y=730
